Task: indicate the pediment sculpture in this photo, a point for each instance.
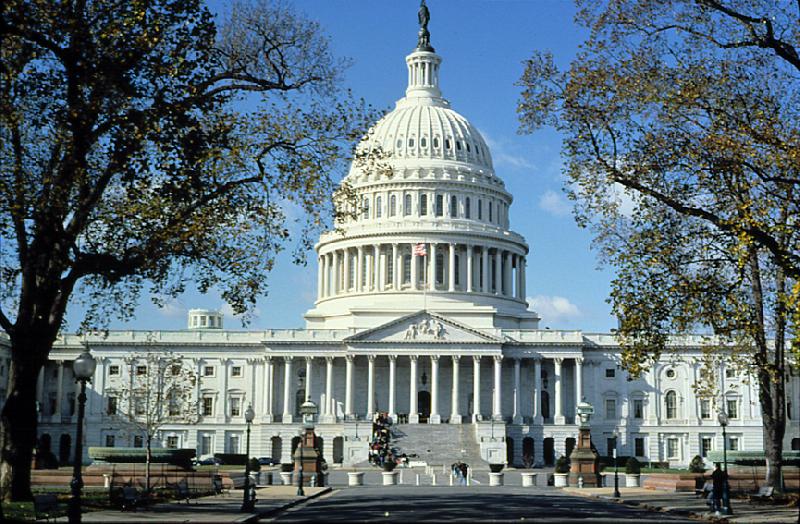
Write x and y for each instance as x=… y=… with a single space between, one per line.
x=426 y=328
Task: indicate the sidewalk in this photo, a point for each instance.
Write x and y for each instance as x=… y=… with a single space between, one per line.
x=217 y=508
x=689 y=505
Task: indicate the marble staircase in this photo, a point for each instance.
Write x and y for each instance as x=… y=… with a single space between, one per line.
x=438 y=444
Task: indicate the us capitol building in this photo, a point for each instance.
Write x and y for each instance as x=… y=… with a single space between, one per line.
x=420 y=313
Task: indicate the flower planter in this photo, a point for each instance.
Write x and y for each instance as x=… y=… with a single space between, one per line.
x=355 y=478
x=389 y=478
x=560 y=480
x=496 y=479
x=632 y=480
x=286 y=477
x=528 y=479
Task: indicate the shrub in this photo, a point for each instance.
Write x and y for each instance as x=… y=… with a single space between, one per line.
x=389 y=465
x=632 y=467
x=231 y=459
x=286 y=468
x=496 y=468
x=562 y=464
x=254 y=465
x=697 y=465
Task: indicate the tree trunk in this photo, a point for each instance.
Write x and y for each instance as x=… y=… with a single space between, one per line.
x=18 y=427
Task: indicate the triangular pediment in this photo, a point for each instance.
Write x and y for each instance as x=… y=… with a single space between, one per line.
x=423 y=327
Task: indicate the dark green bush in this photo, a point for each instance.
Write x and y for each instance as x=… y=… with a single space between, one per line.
x=389 y=465
x=697 y=465
x=632 y=467
x=562 y=465
x=496 y=468
x=232 y=459
x=178 y=457
x=286 y=468
x=254 y=466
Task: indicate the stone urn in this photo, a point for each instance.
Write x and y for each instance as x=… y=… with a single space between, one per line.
x=286 y=477
x=528 y=479
x=496 y=479
x=355 y=478
x=560 y=480
x=632 y=480
x=389 y=478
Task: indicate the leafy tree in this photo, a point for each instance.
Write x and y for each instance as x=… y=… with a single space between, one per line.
x=159 y=390
x=145 y=147
x=680 y=124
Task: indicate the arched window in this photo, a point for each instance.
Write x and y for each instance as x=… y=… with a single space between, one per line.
x=439 y=268
x=439 y=211
x=406 y=269
x=365 y=208
x=436 y=142
x=480 y=209
x=378 y=210
x=407 y=205
x=467 y=147
x=671 y=402
x=392 y=205
x=490 y=211
x=466 y=208
x=423 y=205
x=410 y=142
x=458 y=145
x=453 y=206
x=423 y=142
x=447 y=143
x=456 y=270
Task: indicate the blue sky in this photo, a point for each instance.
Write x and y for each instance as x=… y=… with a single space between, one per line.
x=483 y=44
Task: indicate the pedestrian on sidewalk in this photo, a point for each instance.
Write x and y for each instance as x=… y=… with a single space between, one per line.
x=718 y=479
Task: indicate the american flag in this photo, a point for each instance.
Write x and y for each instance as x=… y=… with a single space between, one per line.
x=420 y=251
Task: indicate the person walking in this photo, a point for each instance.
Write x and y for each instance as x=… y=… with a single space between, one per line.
x=718 y=480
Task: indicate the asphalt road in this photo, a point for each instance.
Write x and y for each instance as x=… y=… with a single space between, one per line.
x=443 y=503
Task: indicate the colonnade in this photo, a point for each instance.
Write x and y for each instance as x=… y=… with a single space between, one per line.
x=328 y=413
x=445 y=267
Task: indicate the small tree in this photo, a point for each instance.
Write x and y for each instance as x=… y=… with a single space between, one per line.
x=160 y=391
x=562 y=465
x=697 y=465
x=632 y=466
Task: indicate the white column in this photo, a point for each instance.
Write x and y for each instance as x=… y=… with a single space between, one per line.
x=346 y=271
x=469 y=269
x=359 y=280
x=414 y=269
x=413 y=415
x=395 y=269
x=578 y=379
x=335 y=274
x=517 y=415
x=485 y=256
x=392 y=388
x=309 y=370
x=320 y=273
x=40 y=388
x=522 y=279
x=370 y=386
x=225 y=374
x=329 y=416
x=497 y=408
x=268 y=371
x=455 y=416
x=498 y=272
x=287 y=391
x=537 y=392
x=435 y=417
x=432 y=268
x=60 y=388
x=348 y=386
x=377 y=283
x=476 y=388
x=559 y=415
x=381 y=274
x=451 y=284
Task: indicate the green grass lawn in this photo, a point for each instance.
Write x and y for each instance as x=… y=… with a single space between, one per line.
x=23 y=511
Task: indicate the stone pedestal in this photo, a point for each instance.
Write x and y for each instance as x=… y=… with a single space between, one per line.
x=528 y=479
x=389 y=478
x=584 y=461
x=286 y=478
x=560 y=480
x=355 y=478
x=496 y=479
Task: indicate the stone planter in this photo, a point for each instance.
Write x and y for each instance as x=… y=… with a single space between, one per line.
x=264 y=478
x=355 y=478
x=389 y=478
x=528 y=479
x=496 y=479
x=286 y=477
x=560 y=480
x=632 y=480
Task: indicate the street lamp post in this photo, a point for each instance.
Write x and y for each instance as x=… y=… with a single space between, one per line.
x=248 y=500
x=83 y=368
x=726 y=494
x=616 y=468
x=307 y=410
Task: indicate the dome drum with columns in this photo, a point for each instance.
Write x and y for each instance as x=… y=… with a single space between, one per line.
x=435 y=191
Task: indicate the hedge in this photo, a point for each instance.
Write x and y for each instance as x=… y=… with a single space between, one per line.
x=177 y=457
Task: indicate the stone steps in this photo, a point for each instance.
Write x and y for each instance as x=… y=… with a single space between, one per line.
x=438 y=444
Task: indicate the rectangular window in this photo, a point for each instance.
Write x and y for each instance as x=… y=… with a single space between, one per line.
x=480 y=209
x=672 y=448
x=638 y=446
x=733 y=443
x=205 y=444
x=490 y=211
x=705 y=446
x=454 y=206
x=111 y=409
x=638 y=408
x=423 y=205
x=141 y=370
x=110 y=441
x=113 y=370
x=208 y=371
x=172 y=442
x=611 y=408
x=732 y=408
x=406 y=269
x=138 y=441
x=730 y=373
x=236 y=407
x=138 y=406
x=611 y=372
x=236 y=371
x=439 y=211
x=390 y=268
x=611 y=443
x=439 y=269
x=233 y=444
x=208 y=406
x=705 y=409
x=407 y=205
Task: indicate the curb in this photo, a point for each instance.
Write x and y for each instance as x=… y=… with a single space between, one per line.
x=277 y=509
x=660 y=509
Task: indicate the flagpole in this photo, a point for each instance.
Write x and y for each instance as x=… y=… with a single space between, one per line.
x=425 y=278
